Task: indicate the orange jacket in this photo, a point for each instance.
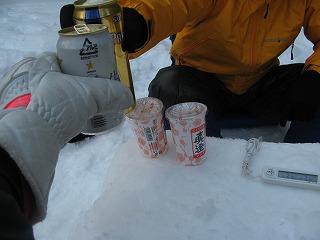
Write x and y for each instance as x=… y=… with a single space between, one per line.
x=238 y=40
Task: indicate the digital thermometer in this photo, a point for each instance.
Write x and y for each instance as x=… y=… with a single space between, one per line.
x=291 y=178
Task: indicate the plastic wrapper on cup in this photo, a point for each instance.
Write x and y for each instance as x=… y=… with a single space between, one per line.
x=188 y=127
x=147 y=122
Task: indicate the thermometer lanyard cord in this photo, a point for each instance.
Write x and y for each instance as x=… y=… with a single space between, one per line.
x=253 y=145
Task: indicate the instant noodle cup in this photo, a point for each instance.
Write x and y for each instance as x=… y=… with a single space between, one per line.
x=188 y=127
x=147 y=123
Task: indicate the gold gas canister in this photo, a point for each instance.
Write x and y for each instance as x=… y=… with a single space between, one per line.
x=108 y=13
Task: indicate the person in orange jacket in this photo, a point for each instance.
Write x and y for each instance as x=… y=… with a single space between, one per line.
x=226 y=56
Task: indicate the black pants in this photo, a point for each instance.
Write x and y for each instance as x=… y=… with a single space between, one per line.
x=263 y=101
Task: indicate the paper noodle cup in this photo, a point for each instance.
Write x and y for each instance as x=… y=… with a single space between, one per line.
x=188 y=127
x=147 y=122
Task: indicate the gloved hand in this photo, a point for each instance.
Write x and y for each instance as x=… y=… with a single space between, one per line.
x=66 y=16
x=59 y=107
x=303 y=100
x=135 y=28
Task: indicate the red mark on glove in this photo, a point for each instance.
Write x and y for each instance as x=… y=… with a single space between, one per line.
x=21 y=101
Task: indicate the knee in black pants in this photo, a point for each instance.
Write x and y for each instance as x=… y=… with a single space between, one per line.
x=176 y=84
x=165 y=86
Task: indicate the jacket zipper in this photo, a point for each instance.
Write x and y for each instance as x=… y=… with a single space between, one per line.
x=267 y=12
x=253 y=41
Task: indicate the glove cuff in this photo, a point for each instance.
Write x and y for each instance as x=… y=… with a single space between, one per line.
x=33 y=146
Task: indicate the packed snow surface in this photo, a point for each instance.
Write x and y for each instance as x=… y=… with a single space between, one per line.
x=105 y=189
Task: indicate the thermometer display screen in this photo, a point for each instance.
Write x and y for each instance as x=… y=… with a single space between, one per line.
x=298 y=176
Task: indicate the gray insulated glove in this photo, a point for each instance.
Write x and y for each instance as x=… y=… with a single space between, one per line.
x=59 y=107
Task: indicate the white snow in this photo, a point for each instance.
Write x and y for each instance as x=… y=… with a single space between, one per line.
x=105 y=189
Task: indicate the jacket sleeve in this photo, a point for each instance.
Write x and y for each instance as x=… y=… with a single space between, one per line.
x=15 y=201
x=167 y=17
x=312 y=32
